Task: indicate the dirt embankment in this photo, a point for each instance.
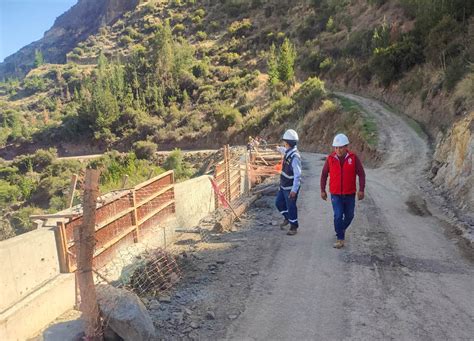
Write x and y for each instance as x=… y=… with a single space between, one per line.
x=453 y=167
x=319 y=128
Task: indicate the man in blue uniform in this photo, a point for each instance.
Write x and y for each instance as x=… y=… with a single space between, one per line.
x=290 y=180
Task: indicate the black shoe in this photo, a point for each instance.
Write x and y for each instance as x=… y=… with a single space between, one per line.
x=293 y=230
x=284 y=224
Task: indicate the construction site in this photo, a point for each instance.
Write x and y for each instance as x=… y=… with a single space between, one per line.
x=206 y=258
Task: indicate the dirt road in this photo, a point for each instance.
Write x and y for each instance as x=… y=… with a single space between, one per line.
x=400 y=276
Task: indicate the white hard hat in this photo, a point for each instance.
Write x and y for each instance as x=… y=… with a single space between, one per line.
x=290 y=135
x=340 y=140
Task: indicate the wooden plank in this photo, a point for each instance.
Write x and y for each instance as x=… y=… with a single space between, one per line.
x=62 y=247
x=157 y=194
x=131 y=209
x=114 y=241
x=155 y=211
x=72 y=190
x=156 y=178
x=52 y=216
x=234 y=180
x=136 y=235
x=113 y=218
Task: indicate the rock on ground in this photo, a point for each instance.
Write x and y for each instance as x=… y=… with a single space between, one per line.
x=125 y=314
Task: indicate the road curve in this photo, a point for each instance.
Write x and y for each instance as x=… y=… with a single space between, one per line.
x=400 y=276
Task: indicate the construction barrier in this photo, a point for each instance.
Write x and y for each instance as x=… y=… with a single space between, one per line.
x=121 y=219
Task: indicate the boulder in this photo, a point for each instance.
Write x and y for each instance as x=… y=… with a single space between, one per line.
x=125 y=314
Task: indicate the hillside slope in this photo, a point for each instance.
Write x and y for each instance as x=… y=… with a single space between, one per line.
x=82 y=20
x=197 y=73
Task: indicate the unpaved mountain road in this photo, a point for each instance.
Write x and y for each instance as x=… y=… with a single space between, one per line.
x=403 y=274
x=399 y=277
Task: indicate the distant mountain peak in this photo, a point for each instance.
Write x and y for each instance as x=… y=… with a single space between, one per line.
x=70 y=28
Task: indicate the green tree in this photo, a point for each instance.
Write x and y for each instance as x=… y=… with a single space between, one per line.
x=272 y=63
x=39 y=59
x=286 y=62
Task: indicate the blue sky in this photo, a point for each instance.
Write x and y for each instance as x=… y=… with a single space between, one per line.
x=24 y=21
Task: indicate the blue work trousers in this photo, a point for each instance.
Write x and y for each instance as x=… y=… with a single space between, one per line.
x=287 y=206
x=343 y=207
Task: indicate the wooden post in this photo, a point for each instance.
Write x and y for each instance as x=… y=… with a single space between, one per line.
x=227 y=172
x=72 y=190
x=124 y=181
x=61 y=243
x=85 y=252
x=136 y=232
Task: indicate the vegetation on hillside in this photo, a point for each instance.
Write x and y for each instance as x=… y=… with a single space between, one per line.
x=189 y=70
x=40 y=182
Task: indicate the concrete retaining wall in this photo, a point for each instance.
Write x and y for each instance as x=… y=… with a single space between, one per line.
x=194 y=200
x=33 y=292
x=27 y=262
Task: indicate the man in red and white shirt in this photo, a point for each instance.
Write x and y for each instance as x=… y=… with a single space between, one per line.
x=342 y=166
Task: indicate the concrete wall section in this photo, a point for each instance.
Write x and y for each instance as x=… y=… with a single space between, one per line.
x=194 y=200
x=27 y=262
x=28 y=316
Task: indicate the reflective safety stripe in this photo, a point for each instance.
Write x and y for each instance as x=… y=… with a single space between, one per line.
x=282 y=212
x=286 y=175
x=293 y=221
x=286 y=188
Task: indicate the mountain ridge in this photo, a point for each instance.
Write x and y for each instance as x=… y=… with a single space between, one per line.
x=73 y=26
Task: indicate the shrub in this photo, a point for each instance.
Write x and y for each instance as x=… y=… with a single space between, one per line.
x=454 y=73
x=312 y=61
x=330 y=25
x=20 y=220
x=310 y=92
x=200 y=13
x=326 y=64
x=34 y=84
x=239 y=28
x=201 y=69
x=214 y=25
x=465 y=91
x=442 y=43
x=281 y=110
x=359 y=44
x=8 y=193
x=196 y=20
x=201 y=35
x=390 y=62
x=175 y=161
x=328 y=106
x=227 y=116
x=43 y=158
x=132 y=32
x=230 y=58
x=178 y=28
x=145 y=149
x=125 y=40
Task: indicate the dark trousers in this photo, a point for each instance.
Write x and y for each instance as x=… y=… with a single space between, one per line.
x=343 y=207
x=287 y=206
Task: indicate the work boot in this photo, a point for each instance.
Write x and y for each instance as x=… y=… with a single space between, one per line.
x=339 y=244
x=284 y=224
x=293 y=230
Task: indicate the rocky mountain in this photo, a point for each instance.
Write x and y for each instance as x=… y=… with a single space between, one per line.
x=78 y=23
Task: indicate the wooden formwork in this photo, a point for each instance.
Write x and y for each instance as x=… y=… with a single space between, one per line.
x=121 y=220
x=227 y=176
x=264 y=163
